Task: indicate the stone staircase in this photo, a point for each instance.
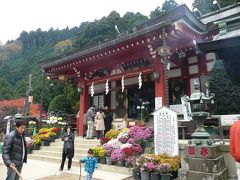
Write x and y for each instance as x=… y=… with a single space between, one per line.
x=53 y=153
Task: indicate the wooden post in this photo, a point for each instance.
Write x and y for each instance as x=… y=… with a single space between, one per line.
x=160 y=85
x=83 y=109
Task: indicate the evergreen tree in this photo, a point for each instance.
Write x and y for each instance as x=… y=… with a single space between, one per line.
x=168 y=5
x=227 y=94
x=100 y=31
x=60 y=106
x=5 y=90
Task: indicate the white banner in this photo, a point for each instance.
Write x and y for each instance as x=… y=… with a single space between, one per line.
x=158 y=102
x=186 y=110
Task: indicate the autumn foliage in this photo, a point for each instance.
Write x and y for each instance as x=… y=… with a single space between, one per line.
x=19 y=103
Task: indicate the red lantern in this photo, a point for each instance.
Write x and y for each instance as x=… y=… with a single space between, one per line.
x=235 y=141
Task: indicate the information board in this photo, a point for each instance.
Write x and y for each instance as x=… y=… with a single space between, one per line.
x=166 y=131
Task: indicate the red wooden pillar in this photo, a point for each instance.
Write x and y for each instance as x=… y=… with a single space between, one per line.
x=185 y=75
x=202 y=64
x=83 y=109
x=160 y=86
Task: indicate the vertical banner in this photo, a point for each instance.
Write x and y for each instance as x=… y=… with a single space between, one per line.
x=158 y=103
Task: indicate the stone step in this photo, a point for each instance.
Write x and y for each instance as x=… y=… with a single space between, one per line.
x=75 y=162
x=82 y=141
x=59 y=149
x=76 y=145
x=56 y=154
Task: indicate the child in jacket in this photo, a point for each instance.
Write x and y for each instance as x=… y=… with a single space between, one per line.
x=90 y=164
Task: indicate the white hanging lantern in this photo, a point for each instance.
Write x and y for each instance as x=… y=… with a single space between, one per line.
x=122 y=83
x=107 y=87
x=139 y=80
x=92 y=89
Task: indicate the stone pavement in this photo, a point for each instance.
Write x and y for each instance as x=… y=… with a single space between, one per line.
x=42 y=170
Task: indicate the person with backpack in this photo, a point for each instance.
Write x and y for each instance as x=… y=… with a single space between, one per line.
x=90 y=164
x=68 y=148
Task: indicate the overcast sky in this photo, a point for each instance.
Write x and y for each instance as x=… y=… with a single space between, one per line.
x=27 y=15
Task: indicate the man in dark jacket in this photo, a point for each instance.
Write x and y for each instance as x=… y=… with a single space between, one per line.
x=15 y=150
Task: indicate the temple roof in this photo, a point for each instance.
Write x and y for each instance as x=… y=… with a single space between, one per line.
x=181 y=14
x=228 y=12
x=211 y=46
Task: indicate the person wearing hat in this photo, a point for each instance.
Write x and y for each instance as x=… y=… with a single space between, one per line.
x=90 y=164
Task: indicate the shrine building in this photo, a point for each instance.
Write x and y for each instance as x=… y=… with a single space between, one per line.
x=158 y=63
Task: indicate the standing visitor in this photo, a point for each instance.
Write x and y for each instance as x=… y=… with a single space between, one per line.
x=100 y=127
x=108 y=120
x=90 y=122
x=90 y=164
x=68 y=148
x=15 y=150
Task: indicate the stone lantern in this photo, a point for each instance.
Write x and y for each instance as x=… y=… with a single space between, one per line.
x=200 y=106
x=202 y=158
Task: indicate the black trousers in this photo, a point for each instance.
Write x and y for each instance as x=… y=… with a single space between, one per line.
x=64 y=155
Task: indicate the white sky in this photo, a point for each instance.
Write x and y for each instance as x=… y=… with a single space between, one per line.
x=27 y=15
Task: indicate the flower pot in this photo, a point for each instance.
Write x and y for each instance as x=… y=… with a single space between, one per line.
x=121 y=163
x=109 y=161
x=45 y=143
x=52 y=139
x=154 y=176
x=97 y=158
x=166 y=177
x=147 y=144
x=36 y=147
x=136 y=174
x=145 y=175
x=29 y=150
x=102 y=160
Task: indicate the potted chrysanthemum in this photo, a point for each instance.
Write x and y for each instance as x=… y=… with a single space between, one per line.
x=118 y=156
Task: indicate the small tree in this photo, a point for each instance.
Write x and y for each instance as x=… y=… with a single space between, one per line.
x=60 y=106
x=227 y=94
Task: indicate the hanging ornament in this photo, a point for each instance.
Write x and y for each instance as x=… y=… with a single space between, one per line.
x=107 y=87
x=122 y=83
x=92 y=89
x=168 y=66
x=140 y=80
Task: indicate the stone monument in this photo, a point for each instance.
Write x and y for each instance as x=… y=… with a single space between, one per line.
x=202 y=160
x=166 y=131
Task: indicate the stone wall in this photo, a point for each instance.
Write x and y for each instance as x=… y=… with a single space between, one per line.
x=225 y=151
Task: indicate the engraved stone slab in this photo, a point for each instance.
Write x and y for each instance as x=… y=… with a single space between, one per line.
x=195 y=175
x=201 y=151
x=204 y=165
